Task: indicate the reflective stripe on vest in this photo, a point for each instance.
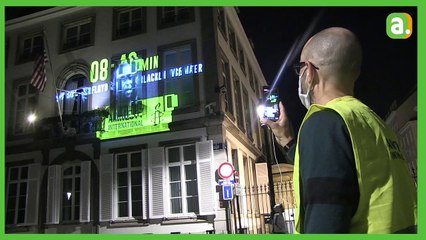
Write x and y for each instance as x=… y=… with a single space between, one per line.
x=388 y=198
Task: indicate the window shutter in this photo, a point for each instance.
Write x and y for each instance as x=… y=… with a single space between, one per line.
x=106 y=169
x=206 y=189
x=53 y=194
x=261 y=174
x=32 y=205
x=156 y=182
x=85 y=191
x=145 y=181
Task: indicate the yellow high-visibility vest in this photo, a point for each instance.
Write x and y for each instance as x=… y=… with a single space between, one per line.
x=388 y=197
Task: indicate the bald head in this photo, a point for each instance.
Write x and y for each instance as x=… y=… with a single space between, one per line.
x=337 y=52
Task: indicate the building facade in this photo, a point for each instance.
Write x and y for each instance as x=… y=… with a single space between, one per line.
x=402 y=119
x=140 y=107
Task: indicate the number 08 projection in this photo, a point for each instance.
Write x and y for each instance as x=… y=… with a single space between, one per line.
x=99 y=70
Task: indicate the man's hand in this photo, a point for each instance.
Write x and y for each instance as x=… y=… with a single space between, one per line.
x=281 y=128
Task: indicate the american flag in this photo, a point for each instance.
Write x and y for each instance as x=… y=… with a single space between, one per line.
x=39 y=78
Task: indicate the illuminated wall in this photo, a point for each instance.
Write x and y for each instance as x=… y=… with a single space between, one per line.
x=136 y=106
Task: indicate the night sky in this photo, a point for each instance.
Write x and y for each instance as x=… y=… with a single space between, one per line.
x=389 y=70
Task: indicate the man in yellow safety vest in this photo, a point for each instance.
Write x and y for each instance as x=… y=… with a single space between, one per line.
x=349 y=173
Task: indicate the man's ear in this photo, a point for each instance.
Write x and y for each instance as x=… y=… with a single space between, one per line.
x=310 y=75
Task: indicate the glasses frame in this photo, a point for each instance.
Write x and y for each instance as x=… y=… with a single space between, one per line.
x=298 y=66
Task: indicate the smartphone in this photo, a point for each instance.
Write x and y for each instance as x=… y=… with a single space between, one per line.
x=271 y=104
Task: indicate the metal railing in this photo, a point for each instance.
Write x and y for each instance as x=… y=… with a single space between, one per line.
x=251 y=209
x=70 y=125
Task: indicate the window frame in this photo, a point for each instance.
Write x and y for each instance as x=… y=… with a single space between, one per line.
x=114 y=100
x=129 y=169
x=77 y=97
x=255 y=125
x=232 y=37
x=73 y=176
x=176 y=22
x=18 y=196
x=77 y=23
x=257 y=90
x=116 y=22
x=183 y=189
x=30 y=93
x=33 y=51
x=221 y=22
x=242 y=58
x=195 y=77
x=247 y=109
x=227 y=82
x=251 y=78
x=239 y=112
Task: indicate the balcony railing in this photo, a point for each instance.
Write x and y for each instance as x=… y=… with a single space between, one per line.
x=86 y=123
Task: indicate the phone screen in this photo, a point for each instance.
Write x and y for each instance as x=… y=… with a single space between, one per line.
x=272 y=111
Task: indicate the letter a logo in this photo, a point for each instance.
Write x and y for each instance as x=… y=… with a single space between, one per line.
x=399 y=25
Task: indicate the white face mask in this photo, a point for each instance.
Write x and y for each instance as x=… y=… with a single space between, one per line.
x=304 y=98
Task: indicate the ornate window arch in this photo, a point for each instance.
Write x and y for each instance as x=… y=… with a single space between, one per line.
x=71 y=85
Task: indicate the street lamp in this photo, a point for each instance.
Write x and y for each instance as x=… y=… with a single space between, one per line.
x=31 y=118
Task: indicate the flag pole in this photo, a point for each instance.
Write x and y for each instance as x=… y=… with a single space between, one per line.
x=53 y=75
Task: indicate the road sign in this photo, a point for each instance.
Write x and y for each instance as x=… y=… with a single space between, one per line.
x=227 y=192
x=225 y=170
x=226 y=182
x=238 y=190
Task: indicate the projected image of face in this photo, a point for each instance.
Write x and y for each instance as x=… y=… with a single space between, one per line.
x=127 y=85
x=127 y=91
x=125 y=77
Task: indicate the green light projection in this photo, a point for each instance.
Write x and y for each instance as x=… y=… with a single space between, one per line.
x=155 y=116
x=137 y=102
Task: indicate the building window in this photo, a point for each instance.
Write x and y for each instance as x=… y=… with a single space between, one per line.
x=256 y=87
x=251 y=79
x=238 y=103
x=176 y=181
x=232 y=40
x=241 y=58
x=26 y=102
x=229 y=106
x=129 y=185
x=182 y=175
x=178 y=82
x=22 y=188
x=75 y=101
x=255 y=124
x=129 y=22
x=247 y=114
x=172 y=16
x=71 y=193
x=127 y=88
x=78 y=34
x=29 y=48
x=235 y=161
x=221 y=21
x=17 y=195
